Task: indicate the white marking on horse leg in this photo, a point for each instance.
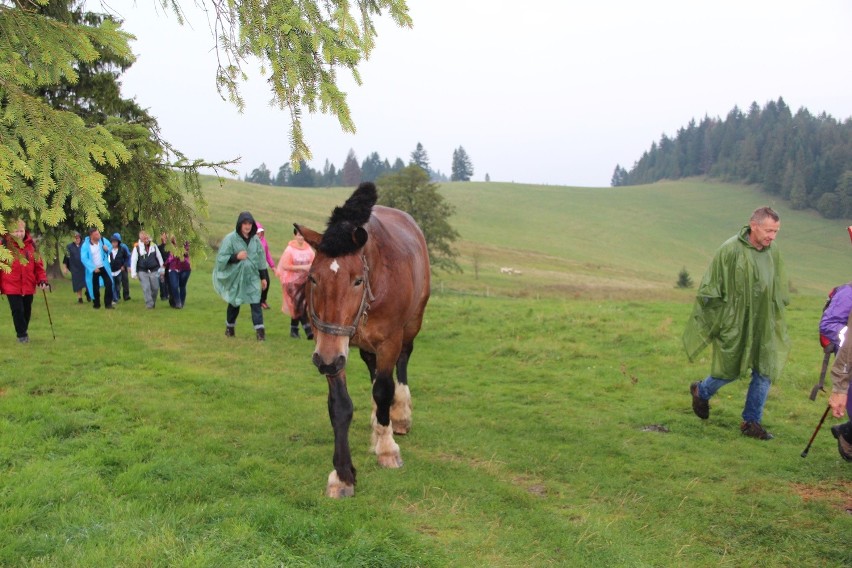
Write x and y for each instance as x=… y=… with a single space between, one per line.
x=400 y=412
x=386 y=448
x=336 y=489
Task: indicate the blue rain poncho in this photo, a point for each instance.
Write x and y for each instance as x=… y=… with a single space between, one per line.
x=739 y=310
x=238 y=281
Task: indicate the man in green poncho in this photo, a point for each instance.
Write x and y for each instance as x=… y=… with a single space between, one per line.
x=739 y=310
x=237 y=275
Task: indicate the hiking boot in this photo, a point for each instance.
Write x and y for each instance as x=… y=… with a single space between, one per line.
x=24 y=339
x=844 y=447
x=261 y=334
x=700 y=407
x=229 y=331
x=755 y=430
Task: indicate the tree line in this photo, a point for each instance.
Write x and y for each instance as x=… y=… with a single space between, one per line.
x=802 y=158
x=352 y=173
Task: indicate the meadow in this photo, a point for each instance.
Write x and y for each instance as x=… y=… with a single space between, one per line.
x=552 y=420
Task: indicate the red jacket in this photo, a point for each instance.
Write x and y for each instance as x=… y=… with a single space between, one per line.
x=23 y=278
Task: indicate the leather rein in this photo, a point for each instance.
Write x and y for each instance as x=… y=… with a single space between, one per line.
x=340 y=329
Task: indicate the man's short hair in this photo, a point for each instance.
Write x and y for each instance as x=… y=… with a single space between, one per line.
x=762 y=213
x=92 y=230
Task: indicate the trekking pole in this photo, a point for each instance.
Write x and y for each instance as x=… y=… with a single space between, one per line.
x=50 y=319
x=811 y=441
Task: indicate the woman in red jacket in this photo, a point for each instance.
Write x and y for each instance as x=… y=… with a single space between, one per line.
x=19 y=285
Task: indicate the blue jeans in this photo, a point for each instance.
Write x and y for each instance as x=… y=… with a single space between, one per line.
x=177 y=285
x=758 y=390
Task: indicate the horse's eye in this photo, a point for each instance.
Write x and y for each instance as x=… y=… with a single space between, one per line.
x=312 y=279
x=358 y=282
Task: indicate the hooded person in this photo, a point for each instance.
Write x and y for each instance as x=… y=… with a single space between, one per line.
x=25 y=274
x=122 y=278
x=261 y=234
x=238 y=274
x=75 y=266
x=293 y=268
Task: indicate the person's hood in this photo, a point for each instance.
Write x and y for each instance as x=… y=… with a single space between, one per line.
x=246 y=216
x=116 y=237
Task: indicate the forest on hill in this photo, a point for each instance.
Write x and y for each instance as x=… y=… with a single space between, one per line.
x=802 y=158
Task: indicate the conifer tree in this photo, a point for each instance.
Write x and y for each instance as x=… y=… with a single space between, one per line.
x=351 y=174
x=420 y=158
x=462 y=168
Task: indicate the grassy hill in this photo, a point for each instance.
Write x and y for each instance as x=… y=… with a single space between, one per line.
x=625 y=242
x=547 y=432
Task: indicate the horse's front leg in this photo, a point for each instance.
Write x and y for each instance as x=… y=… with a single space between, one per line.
x=400 y=412
x=382 y=440
x=341 y=481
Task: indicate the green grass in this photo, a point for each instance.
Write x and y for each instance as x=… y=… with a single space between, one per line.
x=146 y=438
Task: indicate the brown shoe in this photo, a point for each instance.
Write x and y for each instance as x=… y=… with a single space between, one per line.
x=229 y=331
x=844 y=447
x=700 y=407
x=755 y=430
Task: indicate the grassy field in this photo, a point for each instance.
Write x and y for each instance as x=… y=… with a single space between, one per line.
x=625 y=242
x=552 y=421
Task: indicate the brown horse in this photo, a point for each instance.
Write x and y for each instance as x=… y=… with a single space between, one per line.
x=368 y=287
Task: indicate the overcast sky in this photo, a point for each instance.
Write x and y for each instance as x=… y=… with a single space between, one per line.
x=542 y=91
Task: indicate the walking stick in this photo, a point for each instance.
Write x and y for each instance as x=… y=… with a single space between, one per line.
x=811 y=441
x=50 y=319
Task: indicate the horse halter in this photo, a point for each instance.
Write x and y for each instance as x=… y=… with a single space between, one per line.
x=346 y=330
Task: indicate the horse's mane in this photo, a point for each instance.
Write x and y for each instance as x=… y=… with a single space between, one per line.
x=338 y=240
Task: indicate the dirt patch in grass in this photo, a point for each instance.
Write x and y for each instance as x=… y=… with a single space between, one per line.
x=838 y=494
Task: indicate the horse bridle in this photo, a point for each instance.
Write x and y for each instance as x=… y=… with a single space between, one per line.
x=340 y=329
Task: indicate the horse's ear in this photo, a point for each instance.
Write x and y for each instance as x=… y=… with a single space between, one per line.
x=311 y=237
x=359 y=236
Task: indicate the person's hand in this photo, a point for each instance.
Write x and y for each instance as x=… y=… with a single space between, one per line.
x=263 y=284
x=43 y=285
x=837 y=402
x=242 y=255
x=96 y=271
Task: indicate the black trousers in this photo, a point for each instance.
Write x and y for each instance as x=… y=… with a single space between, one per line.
x=22 y=309
x=264 y=275
x=125 y=284
x=96 y=288
x=256 y=315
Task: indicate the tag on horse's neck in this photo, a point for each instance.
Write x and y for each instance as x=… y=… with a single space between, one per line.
x=334 y=266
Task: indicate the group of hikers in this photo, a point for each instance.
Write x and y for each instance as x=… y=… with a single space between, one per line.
x=241 y=276
x=96 y=263
x=739 y=307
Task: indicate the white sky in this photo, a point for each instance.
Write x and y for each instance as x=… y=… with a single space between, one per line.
x=541 y=91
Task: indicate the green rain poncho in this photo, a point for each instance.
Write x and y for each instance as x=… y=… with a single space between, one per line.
x=239 y=282
x=739 y=310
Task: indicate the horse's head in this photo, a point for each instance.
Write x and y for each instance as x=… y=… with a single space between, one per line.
x=338 y=289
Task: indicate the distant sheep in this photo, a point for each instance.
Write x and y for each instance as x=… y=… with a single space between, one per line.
x=508 y=270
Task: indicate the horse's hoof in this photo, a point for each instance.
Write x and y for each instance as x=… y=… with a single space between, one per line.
x=390 y=460
x=337 y=489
